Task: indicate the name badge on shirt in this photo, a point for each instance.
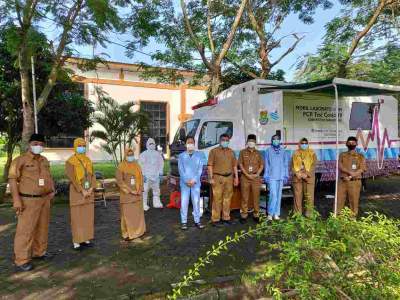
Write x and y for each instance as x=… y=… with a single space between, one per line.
x=250 y=169
x=41 y=181
x=86 y=184
x=132 y=180
x=354 y=166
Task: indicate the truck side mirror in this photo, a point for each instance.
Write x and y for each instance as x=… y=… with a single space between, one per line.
x=182 y=134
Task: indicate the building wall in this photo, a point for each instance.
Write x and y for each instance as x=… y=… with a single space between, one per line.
x=124 y=84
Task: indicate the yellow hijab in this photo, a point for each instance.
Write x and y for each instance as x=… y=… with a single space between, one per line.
x=306 y=157
x=80 y=161
x=131 y=168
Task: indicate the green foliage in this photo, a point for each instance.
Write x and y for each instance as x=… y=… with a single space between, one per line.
x=67 y=112
x=337 y=258
x=120 y=125
x=353 y=41
x=381 y=65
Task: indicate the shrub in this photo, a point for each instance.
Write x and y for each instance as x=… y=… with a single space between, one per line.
x=337 y=258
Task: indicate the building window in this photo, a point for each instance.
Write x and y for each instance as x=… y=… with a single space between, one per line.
x=211 y=131
x=157 y=129
x=361 y=115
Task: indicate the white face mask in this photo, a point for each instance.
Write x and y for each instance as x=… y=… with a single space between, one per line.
x=190 y=147
x=37 y=149
x=130 y=158
x=251 y=144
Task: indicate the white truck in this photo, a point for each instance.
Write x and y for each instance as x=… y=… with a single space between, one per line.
x=366 y=110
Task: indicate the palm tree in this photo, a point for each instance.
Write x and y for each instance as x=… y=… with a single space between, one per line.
x=121 y=125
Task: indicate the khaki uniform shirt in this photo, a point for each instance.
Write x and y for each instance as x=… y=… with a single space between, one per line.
x=251 y=160
x=222 y=160
x=351 y=162
x=32 y=173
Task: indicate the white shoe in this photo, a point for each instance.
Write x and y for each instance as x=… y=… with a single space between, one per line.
x=276 y=217
x=146 y=208
x=157 y=204
x=269 y=218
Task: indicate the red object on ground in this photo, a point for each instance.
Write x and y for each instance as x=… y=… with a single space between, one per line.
x=174 y=200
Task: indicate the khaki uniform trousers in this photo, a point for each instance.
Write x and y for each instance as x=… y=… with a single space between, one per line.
x=250 y=191
x=222 y=196
x=304 y=191
x=31 y=236
x=349 y=190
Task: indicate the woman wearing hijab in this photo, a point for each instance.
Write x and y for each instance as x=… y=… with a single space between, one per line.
x=303 y=169
x=130 y=181
x=79 y=170
x=275 y=175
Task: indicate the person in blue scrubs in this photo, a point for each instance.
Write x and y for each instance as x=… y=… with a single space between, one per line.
x=190 y=164
x=276 y=173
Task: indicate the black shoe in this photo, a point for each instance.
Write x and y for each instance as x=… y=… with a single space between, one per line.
x=199 y=225
x=256 y=220
x=229 y=222
x=217 y=224
x=243 y=220
x=25 y=267
x=87 y=245
x=45 y=256
x=184 y=226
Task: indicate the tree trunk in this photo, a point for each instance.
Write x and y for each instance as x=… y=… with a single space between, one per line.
x=28 y=127
x=342 y=69
x=215 y=82
x=264 y=61
x=3 y=187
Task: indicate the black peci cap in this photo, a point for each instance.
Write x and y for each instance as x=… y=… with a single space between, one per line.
x=251 y=137
x=37 y=138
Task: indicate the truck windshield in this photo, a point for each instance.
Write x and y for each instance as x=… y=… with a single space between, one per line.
x=190 y=128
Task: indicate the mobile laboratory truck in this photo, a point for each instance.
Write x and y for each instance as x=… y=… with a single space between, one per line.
x=325 y=112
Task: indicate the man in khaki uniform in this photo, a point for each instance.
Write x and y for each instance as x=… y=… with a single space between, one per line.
x=251 y=164
x=32 y=189
x=351 y=167
x=223 y=175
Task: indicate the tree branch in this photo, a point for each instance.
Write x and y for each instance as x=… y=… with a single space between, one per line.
x=363 y=33
x=243 y=69
x=289 y=50
x=199 y=46
x=209 y=30
x=18 y=11
x=253 y=21
x=59 y=59
x=231 y=34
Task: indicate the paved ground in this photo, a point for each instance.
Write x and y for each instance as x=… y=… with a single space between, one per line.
x=113 y=270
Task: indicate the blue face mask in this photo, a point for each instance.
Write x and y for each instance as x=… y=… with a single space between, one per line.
x=276 y=143
x=303 y=146
x=130 y=158
x=225 y=144
x=81 y=150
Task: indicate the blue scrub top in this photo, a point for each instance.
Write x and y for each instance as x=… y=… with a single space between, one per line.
x=191 y=166
x=276 y=164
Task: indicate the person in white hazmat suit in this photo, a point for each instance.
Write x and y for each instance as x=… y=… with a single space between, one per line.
x=152 y=165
